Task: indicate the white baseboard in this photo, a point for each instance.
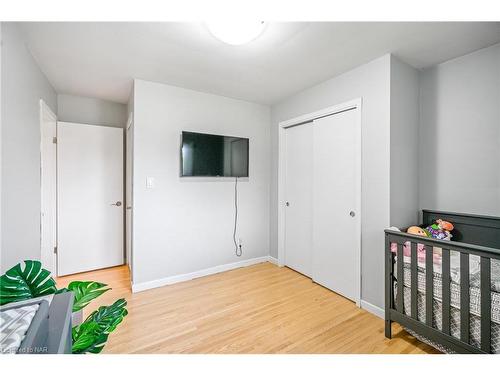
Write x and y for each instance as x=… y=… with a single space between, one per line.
x=193 y=275
x=273 y=260
x=375 y=310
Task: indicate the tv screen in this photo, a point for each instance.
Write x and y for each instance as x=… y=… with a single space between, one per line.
x=213 y=155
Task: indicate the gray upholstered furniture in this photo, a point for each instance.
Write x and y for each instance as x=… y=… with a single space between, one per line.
x=37 y=326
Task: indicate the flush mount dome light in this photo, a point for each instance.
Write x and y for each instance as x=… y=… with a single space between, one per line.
x=236 y=32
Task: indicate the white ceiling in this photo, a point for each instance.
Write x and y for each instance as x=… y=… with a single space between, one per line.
x=101 y=59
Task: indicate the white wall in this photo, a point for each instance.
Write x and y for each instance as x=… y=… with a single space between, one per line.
x=83 y=110
x=460 y=134
x=1 y=105
x=404 y=144
x=371 y=82
x=23 y=84
x=185 y=224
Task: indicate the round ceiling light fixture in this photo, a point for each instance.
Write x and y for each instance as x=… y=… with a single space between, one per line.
x=236 y=32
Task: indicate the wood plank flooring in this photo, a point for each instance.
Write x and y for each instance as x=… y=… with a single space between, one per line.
x=257 y=309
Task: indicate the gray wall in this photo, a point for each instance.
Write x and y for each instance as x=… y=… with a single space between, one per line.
x=186 y=224
x=23 y=84
x=460 y=134
x=404 y=144
x=371 y=82
x=71 y=108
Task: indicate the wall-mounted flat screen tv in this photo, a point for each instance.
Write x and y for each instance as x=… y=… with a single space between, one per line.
x=213 y=155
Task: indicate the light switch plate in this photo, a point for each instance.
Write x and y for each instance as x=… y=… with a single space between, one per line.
x=150 y=182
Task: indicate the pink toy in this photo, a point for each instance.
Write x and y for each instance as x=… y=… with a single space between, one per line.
x=420 y=252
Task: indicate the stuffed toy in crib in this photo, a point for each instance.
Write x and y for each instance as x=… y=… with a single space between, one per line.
x=440 y=230
x=417 y=231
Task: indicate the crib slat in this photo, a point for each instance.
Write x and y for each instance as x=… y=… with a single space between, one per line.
x=414 y=281
x=429 y=285
x=399 y=298
x=389 y=287
x=446 y=290
x=464 y=297
x=485 y=304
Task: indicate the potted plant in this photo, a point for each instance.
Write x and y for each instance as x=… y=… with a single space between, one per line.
x=21 y=283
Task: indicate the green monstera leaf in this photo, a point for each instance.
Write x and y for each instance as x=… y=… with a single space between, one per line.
x=92 y=334
x=108 y=317
x=88 y=338
x=85 y=292
x=21 y=283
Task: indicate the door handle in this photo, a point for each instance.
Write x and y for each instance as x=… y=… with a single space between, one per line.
x=352 y=213
x=287 y=203
x=118 y=204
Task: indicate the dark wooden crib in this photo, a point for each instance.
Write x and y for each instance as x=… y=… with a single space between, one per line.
x=473 y=235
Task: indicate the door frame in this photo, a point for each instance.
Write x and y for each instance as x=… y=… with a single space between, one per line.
x=45 y=111
x=129 y=206
x=356 y=105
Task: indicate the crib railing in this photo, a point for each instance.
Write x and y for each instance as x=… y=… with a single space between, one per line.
x=394 y=308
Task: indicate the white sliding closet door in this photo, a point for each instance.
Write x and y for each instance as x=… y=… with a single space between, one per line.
x=298 y=194
x=336 y=190
x=90 y=196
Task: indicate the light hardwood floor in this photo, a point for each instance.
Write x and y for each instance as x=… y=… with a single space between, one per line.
x=257 y=309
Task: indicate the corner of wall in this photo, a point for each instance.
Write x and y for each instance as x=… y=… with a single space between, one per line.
x=404 y=144
x=130 y=102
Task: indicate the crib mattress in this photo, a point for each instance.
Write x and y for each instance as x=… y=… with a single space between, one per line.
x=475 y=308
x=474 y=269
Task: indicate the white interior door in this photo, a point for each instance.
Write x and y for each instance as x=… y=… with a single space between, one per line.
x=336 y=191
x=90 y=194
x=298 y=196
x=48 y=180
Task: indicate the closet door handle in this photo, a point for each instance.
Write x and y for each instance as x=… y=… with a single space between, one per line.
x=352 y=213
x=287 y=204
